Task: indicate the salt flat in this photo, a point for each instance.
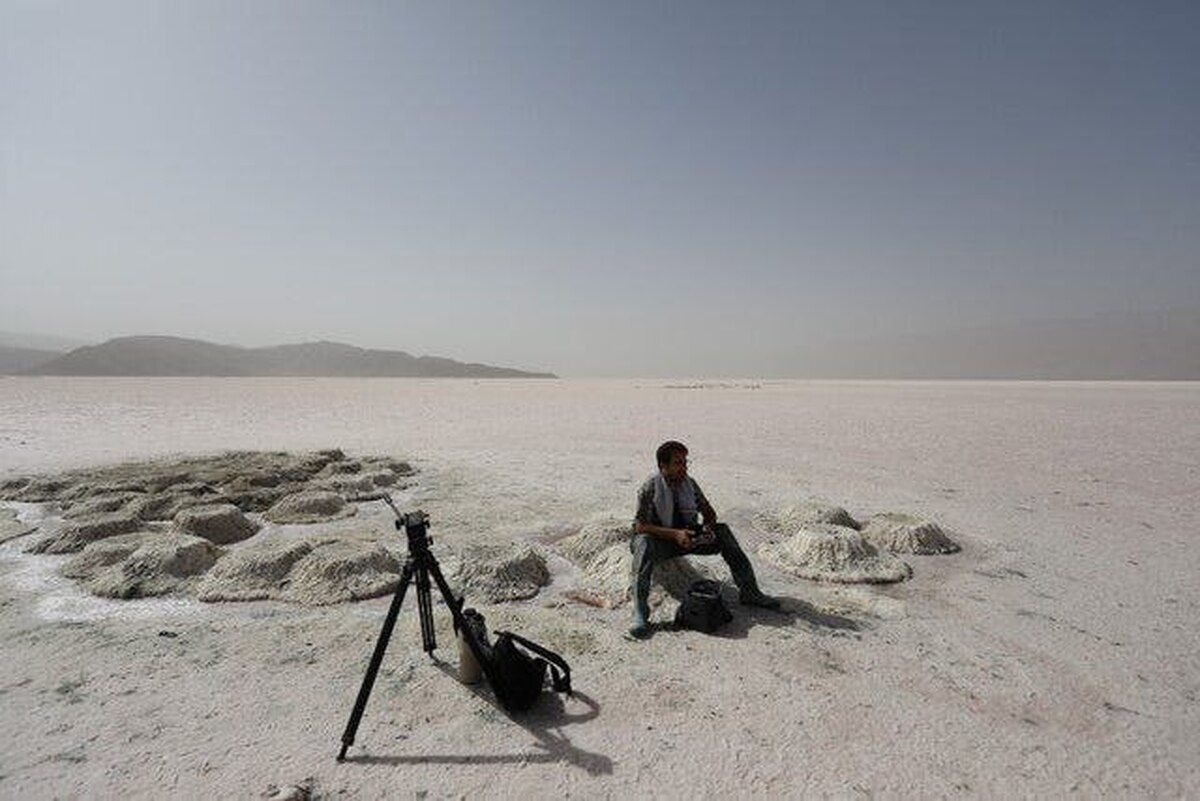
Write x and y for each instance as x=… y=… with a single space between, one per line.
x=1055 y=654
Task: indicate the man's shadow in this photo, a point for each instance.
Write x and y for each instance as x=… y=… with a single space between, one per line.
x=544 y=722
x=790 y=610
x=747 y=617
x=675 y=576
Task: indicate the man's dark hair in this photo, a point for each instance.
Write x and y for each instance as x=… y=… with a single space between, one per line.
x=669 y=449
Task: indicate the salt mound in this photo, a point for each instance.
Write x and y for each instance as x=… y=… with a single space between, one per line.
x=222 y=523
x=583 y=546
x=362 y=477
x=310 y=506
x=36 y=490
x=158 y=563
x=85 y=490
x=101 y=504
x=257 y=495
x=902 y=533
x=256 y=572
x=367 y=466
x=827 y=552
x=11 y=486
x=605 y=580
x=342 y=467
x=788 y=520
x=337 y=571
x=502 y=572
x=79 y=533
x=381 y=478
x=350 y=484
x=164 y=479
x=165 y=505
x=105 y=553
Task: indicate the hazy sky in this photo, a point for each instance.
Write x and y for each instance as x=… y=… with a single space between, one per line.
x=594 y=188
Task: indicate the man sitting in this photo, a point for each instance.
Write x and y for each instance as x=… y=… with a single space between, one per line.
x=665 y=526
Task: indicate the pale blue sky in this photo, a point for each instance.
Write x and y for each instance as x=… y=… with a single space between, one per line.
x=594 y=188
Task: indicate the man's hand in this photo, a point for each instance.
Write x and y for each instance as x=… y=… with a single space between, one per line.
x=680 y=536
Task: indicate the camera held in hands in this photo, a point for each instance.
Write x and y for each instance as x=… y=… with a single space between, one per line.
x=701 y=536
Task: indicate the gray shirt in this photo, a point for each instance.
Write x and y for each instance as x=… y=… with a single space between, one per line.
x=647 y=513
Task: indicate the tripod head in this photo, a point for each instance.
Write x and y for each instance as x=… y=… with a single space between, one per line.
x=415 y=525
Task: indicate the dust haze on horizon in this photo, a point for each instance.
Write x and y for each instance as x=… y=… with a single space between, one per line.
x=618 y=189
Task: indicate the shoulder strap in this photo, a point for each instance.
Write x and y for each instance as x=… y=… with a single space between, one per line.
x=561 y=681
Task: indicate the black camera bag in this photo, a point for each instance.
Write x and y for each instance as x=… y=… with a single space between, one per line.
x=517 y=678
x=703 y=608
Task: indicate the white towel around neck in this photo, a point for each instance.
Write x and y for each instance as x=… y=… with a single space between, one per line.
x=664 y=498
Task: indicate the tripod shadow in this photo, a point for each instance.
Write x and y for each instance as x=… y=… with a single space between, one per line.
x=544 y=722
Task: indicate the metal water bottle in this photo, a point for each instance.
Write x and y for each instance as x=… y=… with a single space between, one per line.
x=469 y=669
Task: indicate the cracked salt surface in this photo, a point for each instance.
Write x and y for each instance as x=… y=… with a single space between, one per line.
x=60 y=600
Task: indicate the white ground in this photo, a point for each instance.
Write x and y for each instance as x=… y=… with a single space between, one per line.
x=1057 y=653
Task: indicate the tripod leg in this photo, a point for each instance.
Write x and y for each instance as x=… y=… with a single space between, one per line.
x=454 y=603
x=385 y=634
x=425 y=609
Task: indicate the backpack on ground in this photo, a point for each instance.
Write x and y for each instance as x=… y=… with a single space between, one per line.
x=518 y=678
x=703 y=608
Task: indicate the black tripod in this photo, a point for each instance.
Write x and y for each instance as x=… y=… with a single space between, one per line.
x=422 y=564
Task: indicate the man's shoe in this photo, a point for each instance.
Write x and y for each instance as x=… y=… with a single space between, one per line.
x=640 y=630
x=641 y=625
x=759 y=599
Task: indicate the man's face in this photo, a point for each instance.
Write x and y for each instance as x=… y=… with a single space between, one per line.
x=675 y=469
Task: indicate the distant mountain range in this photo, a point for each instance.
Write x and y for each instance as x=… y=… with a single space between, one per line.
x=174 y=356
x=1127 y=346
